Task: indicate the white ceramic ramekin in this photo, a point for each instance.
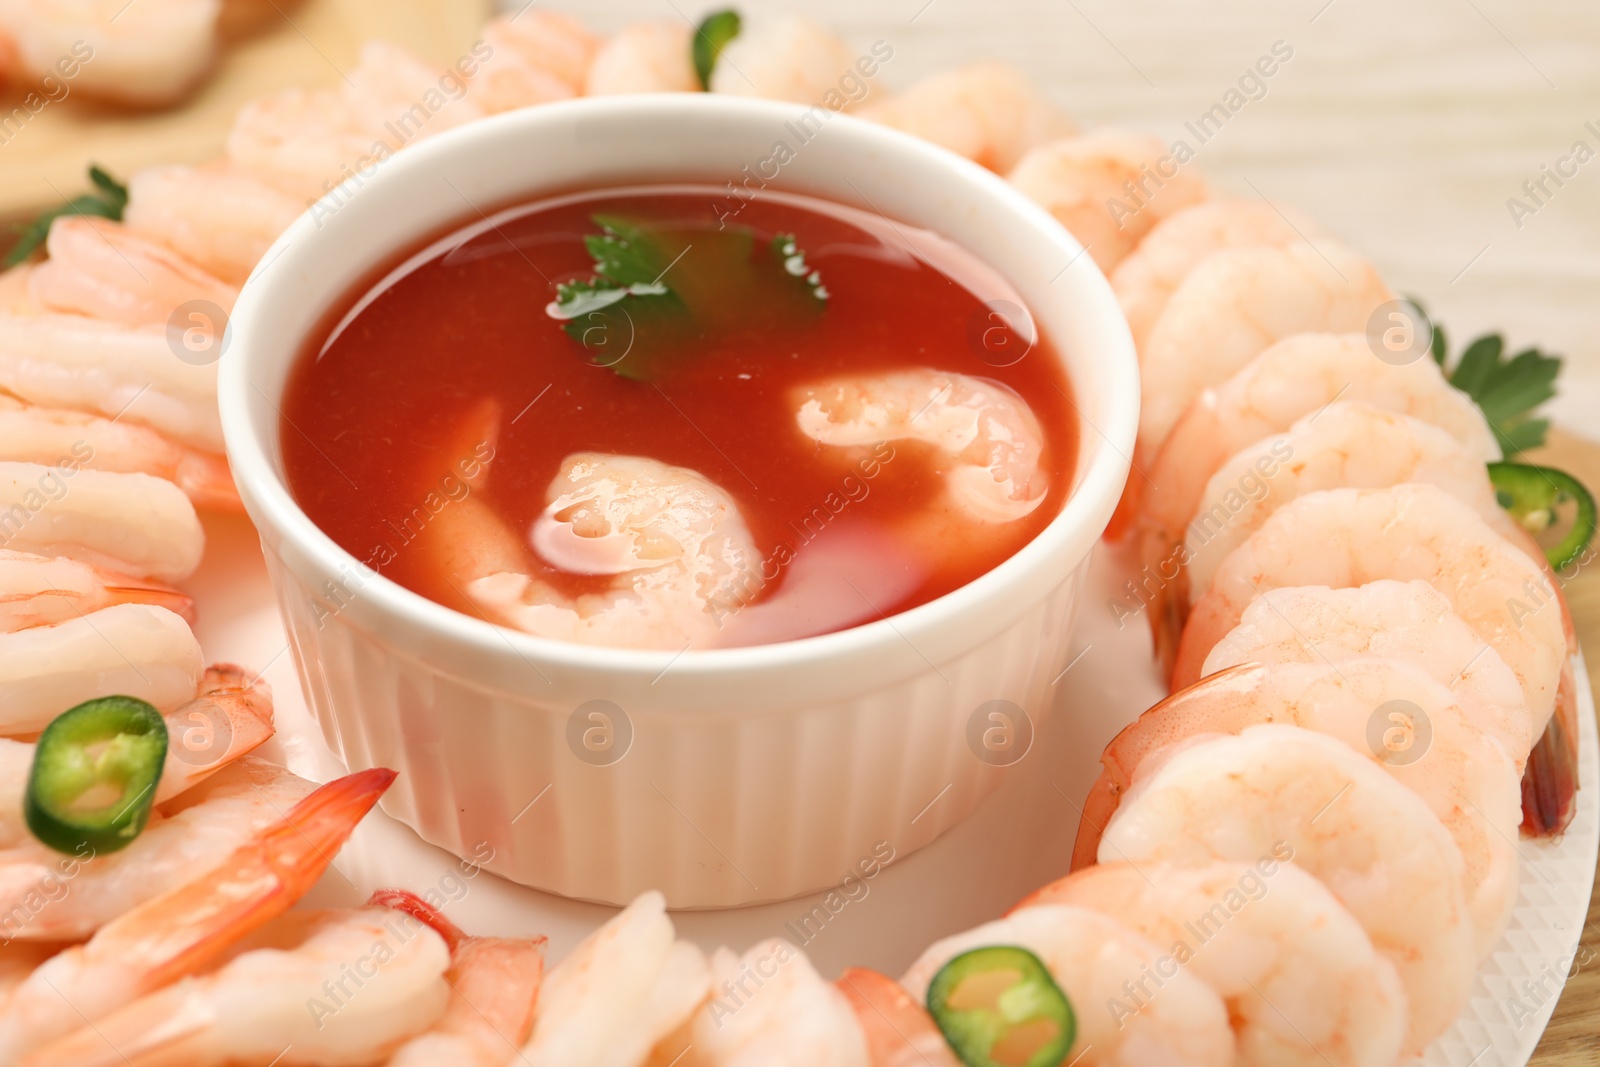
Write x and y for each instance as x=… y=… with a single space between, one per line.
x=727 y=776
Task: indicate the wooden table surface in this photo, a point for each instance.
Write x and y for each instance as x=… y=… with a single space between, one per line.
x=1403 y=128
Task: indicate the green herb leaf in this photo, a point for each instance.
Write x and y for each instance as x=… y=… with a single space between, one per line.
x=793 y=259
x=108 y=203
x=1508 y=390
x=624 y=252
x=710 y=38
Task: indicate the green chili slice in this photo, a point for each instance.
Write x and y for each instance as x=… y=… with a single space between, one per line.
x=94 y=776
x=999 y=1007
x=710 y=38
x=1532 y=495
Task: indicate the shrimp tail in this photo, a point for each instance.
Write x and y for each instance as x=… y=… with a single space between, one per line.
x=1550 y=781
x=229 y=718
x=403 y=900
x=208 y=481
x=899 y=1031
x=1122 y=519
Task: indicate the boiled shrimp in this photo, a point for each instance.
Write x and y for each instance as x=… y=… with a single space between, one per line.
x=189 y=926
x=1428 y=742
x=214 y=818
x=1348 y=537
x=645 y=57
x=323 y=987
x=537 y=57
x=622 y=990
x=494 y=984
x=128 y=523
x=101 y=269
x=404 y=98
x=899 y=1031
x=148 y=54
x=1301 y=980
x=770 y=1008
x=216 y=215
x=986 y=438
x=987 y=112
x=1368 y=838
x=673 y=543
x=1091 y=184
x=138 y=650
x=43 y=590
x=790 y=58
x=71 y=361
x=33 y=434
x=1099 y=963
x=16 y=291
x=304 y=142
x=1233 y=305
x=1178 y=242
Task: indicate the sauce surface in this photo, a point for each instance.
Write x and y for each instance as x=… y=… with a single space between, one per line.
x=448 y=384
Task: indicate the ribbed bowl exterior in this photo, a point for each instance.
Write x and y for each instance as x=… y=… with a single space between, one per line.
x=730 y=807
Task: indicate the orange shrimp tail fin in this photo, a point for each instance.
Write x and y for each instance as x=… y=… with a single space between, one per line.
x=407 y=902
x=1122 y=520
x=125 y=589
x=1550 y=781
x=1053 y=893
x=190 y=927
x=208 y=482
x=899 y=1031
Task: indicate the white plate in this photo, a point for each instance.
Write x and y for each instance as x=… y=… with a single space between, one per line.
x=1018 y=840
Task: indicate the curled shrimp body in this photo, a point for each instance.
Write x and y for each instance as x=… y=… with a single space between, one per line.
x=986 y=438
x=303 y=142
x=189 y=926
x=898 y=1030
x=1090 y=184
x=44 y=590
x=792 y=1019
x=673 y=543
x=536 y=57
x=645 y=57
x=1348 y=537
x=1303 y=985
x=271 y=1003
x=148 y=56
x=1233 y=305
x=620 y=993
x=1178 y=242
x=790 y=58
x=1410 y=725
x=1276 y=789
x=987 y=112
x=104 y=270
x=216 y=216
x=1096 y=960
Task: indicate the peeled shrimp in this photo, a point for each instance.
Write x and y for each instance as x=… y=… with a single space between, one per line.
x=494 y=983
x=138 y=650
x=1369 y=839
x=304 y=142
x=770 y=1008
x=217 y=216
x=129 y=523
x=1126 y=1015
x=987 y=112
x=536 y=57
x=148 y=54
x=790 y=58
x=101 y=269
x=44 y=590
x=16 y=296
x=324 y=987
x=1392 y=620
x=220 y=815
x=987 y=439
x=188 y=927
x=1426 y=740
x=227 y=721
x=33 y=434
x=1301 y=980
x=620 y=992
x=645 y=57
x=1348 y=445
x=1232 y=306
x=404 y=99
x=1180 y=240
x=673 y=542
x=1348 y=537
x=898 y=1030
x=70 y=361
x=1107 y=187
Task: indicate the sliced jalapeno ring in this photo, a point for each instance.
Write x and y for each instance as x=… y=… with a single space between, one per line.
x=94 y=777
x=999 y=1007
x=1531 y=494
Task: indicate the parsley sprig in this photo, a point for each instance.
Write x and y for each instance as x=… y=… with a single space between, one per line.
x=107 y=202
x=626 y=263
x=713 y=34
x=793 y=259
x=1509 y=390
